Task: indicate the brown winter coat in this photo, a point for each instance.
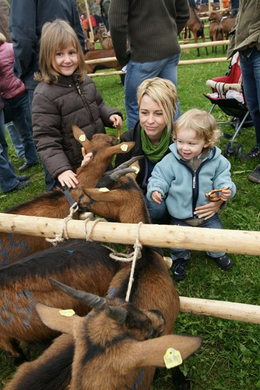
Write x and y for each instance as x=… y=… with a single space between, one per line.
x=4 y=19
x=56 y=107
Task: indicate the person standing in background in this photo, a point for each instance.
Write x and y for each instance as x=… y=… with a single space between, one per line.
x=13 y=92
x=4 y=29
x=152 y=33
x=8 y=179
x=245 y=38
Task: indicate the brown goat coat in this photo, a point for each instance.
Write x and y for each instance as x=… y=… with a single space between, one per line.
x=77 y=263
x=152 y=287
x=54 y=204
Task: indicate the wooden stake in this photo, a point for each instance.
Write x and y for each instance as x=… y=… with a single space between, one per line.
x=91 y=33
x=226 y=310
x=163 y=236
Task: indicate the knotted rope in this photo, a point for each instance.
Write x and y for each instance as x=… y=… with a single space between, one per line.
x=59 y=237
x=134 y=256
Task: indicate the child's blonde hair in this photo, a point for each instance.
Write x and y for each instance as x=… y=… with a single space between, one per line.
x=2 y=38
x=57 y=35
x=203 y=123
x=164 y=93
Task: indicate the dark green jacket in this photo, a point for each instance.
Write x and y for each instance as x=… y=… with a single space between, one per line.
x=247 y=29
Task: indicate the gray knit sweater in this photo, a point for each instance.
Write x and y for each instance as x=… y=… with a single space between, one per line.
x=151 y=27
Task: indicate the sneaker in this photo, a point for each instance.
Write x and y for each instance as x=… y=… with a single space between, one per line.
x=21 y=185
x=255 y=175
x=178 y=269
x=254 y=153
x=223 y=262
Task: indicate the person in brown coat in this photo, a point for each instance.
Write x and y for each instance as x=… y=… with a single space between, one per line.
x=4 y=20
x=65 y=97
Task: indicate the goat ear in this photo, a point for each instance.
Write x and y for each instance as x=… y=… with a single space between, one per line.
x=54 y=319
x=80 y=136
x=101 y=195
x=122 y=148
x=151 y=352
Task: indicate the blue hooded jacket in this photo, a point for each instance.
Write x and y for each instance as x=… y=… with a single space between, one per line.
x=183 y=188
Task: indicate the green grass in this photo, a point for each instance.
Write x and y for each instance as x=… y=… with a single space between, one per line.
x=229 y=358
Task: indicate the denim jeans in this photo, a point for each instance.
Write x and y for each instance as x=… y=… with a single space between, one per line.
x=137 y=72
x=158 y=212
x=250 y=67
x=8 y=179
x=212 y=223
x=16 y=139
x=23 y=123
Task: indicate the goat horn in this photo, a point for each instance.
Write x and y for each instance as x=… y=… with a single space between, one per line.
x=128 y=163
x=89 y=299
x=117 y=313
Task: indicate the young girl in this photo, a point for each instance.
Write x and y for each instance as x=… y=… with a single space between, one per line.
x=65 y=97
x=185 y=176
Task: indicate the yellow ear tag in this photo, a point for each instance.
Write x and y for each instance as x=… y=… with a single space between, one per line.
x=172 y=358
x=82 y=137
x=103 y=189
x=67 y=313
x=124 y=147
x=135 y=168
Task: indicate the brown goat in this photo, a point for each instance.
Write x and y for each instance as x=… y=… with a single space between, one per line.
x=196 y=25
x=82 y=264
x=102 y=53
x=124 y=337
x=54 y=204
x=152 y=289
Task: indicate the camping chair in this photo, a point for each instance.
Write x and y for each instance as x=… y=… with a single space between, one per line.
x=227 y=94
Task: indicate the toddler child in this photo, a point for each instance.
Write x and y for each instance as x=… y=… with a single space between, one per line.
x=183 y=177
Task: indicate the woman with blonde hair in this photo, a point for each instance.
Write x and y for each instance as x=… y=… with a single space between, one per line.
x=157 y=102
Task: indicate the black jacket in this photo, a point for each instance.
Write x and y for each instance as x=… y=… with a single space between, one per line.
x=26 y=21
x=135 y=135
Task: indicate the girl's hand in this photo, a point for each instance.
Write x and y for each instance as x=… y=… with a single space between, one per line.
x=68 y=178
x=87 y=157
x=208 y=210
x=156 y=197
x=116 y=120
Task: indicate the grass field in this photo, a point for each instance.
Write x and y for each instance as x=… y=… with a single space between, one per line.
x=229 y=358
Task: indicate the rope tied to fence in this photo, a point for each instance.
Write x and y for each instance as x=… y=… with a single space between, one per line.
x=133 y=256
x=59 y=237
x=88 y=234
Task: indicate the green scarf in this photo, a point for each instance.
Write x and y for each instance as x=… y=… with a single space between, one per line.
x=155 y=152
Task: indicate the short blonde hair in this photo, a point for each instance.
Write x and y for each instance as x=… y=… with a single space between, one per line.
x=57 y=35
x=203 y=123
x=2 y=38
x=164 y=93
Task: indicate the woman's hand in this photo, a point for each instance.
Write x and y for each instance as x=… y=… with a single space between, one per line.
x=116 y=120
x=208 y=210
x=68 y=178
x=87 y=157
x=156 y=197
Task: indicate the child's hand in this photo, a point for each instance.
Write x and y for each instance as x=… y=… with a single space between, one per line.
x=86 y=157
x=117 y=121
x=156 y=197
x=68 y=178
x=225 y=194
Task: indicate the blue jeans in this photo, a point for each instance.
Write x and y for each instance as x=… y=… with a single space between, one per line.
x=16 y=139
x=8 y=178
x=212 y=223
x=137 y=72
x=158 y=212
x=250 y=67
x=23 y=123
